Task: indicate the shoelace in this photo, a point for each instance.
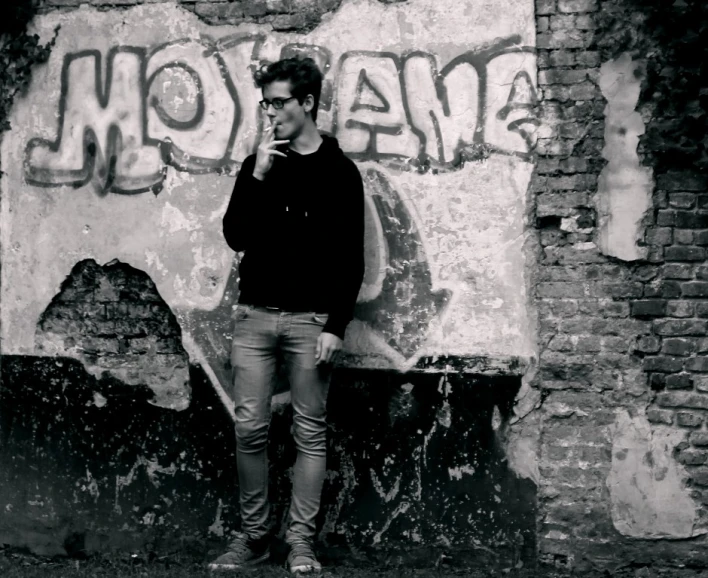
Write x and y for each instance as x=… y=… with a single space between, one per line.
x=301 y=549
x=239 y=544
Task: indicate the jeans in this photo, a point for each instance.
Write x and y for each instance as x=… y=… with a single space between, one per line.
x=261 y=336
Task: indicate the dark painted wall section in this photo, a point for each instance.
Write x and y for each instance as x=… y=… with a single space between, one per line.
x=414 y=466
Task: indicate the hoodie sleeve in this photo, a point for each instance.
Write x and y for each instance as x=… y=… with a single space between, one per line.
x=240 y=217
x=349 y=228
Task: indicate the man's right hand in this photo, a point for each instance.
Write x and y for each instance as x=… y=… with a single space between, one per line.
x=265 y=153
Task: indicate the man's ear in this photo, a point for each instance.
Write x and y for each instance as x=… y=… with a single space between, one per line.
x=309 y=103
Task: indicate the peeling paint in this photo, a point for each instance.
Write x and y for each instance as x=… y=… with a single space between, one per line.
x=625 y=186
x=648 y=494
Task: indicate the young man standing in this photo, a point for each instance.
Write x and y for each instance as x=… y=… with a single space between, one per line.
x=297 y=213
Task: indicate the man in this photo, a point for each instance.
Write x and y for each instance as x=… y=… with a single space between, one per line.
x=297 y=213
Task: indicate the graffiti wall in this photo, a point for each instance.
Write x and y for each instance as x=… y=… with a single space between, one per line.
x=127 y=144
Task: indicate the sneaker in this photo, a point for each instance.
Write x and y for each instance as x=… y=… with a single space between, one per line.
x=242 y=552
x=302 y=560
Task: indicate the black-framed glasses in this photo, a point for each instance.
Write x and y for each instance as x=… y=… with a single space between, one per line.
x=277 y=102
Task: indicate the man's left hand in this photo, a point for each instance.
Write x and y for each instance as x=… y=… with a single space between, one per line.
x=328 y=348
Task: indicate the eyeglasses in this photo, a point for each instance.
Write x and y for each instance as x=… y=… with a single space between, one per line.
x=277 y=103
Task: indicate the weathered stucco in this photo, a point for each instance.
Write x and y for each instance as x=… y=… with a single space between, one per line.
x=647 y=485
x=119 y=166
x=126 y=145
x=625 y=186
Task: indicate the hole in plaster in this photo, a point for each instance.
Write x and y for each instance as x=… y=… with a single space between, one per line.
x=550 y=222
x=114 y=320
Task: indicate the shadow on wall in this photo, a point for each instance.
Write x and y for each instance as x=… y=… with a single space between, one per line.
x=415 y=466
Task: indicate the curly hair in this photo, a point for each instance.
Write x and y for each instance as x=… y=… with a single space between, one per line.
x=302 y=73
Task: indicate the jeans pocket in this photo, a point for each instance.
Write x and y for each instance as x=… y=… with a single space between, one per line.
x=320 y=318
x=239 y=312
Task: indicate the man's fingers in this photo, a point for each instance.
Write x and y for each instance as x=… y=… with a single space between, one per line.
x=279 y=142
x=277 y=153
x=318 y=349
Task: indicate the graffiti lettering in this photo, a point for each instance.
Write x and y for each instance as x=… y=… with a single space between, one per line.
x=193 y=105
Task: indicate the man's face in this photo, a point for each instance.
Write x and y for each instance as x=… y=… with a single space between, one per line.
x=290 y=119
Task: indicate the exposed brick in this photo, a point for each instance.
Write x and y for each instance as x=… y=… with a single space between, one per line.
x=691 y=220
x=665 y=289
x=660 y=416
x=583 y=91
x=662 y=364
x=678 y=271
x=699 y=438
x=559 y=204
x=561 y=343
x=699 y=476
x=113 y=2
x=700 y=382
x=588 y=58
x=558 y=308
x=657 y=381
x=544 y=7
x=680 y=309
x=680 y=327
x=684 y=399
x=679 y=381
x=700 y=237
x=562 y=58
x=697 y=364
x=648 y=344
x=685 y=253
x=659 y=236
x=564 y=39
x=559 y=290
x=614 y=309
x=695 y=289
x=617 y=344
x=701 y=309
x=562 y=76
x=255 y=8
x=573 y=165
x=585 y=22
x=231 y=11
x=576 y=182
x=689 y=419
x=649 y=308
x=683 y=236
x=678 y=346
x=623 y=290
x=588 y=344
x=682 y=200
x=692 y=457
x=682 y=181
x=666 y=218
x=575 y=6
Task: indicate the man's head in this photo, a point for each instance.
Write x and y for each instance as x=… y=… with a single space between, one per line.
x=295 y=83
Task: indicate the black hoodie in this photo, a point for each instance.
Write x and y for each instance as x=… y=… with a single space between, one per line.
x=302 y=233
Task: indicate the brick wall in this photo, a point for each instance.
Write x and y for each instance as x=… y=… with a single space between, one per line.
x=282 y=15
x=114 y=320
x=614 y=335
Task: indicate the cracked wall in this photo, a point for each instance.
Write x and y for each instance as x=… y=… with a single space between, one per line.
x=133 y=159
x=117 y=285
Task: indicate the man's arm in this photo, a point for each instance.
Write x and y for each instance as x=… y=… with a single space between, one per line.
x=350 y=252
x=240 y=214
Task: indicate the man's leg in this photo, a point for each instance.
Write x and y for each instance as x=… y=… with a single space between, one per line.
x=254 y=369
x=309 y=385
x=254 y=366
